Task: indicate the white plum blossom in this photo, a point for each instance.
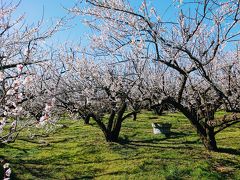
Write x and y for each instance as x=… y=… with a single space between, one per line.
x=176 y=60
x=8 y=172
x=47 y=112
x=19 y=67
x=1 y=76
x=2 y=124
x=20 y=96
x=27 y=80
x=6 y=165
x=11 y=92
x=25 y=51
x=17 y=111
x=43 y=120
x=18 y=42
x=11 y=103
x=14 y=123
x=48 y=107
x=16 y=83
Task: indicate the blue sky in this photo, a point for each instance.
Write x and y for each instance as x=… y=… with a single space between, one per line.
x=53 y=10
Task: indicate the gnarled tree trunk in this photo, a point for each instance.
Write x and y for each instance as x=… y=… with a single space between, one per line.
x=113 y=128
x=209 y=140
x=87 y=118
x=206 y=133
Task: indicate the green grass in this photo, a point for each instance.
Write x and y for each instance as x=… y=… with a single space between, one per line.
x=79 y=151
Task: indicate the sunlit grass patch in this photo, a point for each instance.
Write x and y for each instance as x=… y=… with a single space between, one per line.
x=78 y=151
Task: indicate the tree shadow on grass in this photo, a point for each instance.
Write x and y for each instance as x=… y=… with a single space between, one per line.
x=41 y=142
x=37 y=172
x=86 y=177
x=38 y=168
x=162 y=146
x=229 y=151
x=159 y=143
x=112 y=173
x=15 y=147
x=174 y=135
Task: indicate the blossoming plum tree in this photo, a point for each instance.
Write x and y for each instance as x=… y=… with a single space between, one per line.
x=22 y=52
x=99 y=90
x=22 y=49
x=187 y=49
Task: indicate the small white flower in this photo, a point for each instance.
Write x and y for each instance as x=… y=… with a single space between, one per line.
x=19 y=67
x=5 y=113
x=43 y=118
x=20 y=96
x=2 y=124
x=10 y=92
x=8 y=172
x=4 y=120
x=1 y=76
x=42 y=121
x=11 y=103
x=152 y=10
x=6 y=165
x=13 y=123
x=25 y=51
x=53 y=101
x=17 y=111
x=27 y=80
x=16 y=83
x=48 y=108
x=133 y=41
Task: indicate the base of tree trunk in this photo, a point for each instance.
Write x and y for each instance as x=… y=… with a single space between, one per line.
x=134 y=116
x=87 y=119
x=211 y=147
x=210 y=144
x=86 y=122
x=112 y=139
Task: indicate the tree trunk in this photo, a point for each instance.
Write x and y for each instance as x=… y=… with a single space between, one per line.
x=87 y=118
x=112 y=136
x=209 y=140
x=206 y=134
x=135 y=116
x=158 y=109
x=114 y=131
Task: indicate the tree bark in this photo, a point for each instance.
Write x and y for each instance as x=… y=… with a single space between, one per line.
x=87 y=119
x=209 y=140
x=112 y=129
x=158 y=109
x=118 y=125
x=135 y=116
x=112 y=136
x=206 y=134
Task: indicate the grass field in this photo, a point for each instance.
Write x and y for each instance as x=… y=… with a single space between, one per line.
x=79 y=151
